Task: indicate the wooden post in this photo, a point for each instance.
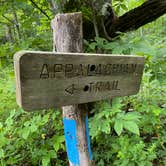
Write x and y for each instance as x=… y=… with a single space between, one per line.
x=68 y=37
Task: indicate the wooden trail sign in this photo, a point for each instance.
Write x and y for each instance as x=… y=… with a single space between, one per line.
x=47 y=79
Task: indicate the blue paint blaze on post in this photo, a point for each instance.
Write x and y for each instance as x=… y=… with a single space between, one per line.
x=71 y=141
x=88 y=138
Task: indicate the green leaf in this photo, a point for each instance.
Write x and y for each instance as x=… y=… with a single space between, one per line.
x=52 y=154
x=56 y=146
x=132 y=116
x=4 y=141
x=25 y=133
x=92 y=46
x=45 y=161
x=118 y=9
x=1 y=125
x=45 y=119
x=131 y=126
x=124 y=7
x=118 y=126
x=9 y=122
x=105 y=126
x=33 y=128
x=2 y=153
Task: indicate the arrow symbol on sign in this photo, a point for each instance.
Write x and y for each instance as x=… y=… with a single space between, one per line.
x=70 y=89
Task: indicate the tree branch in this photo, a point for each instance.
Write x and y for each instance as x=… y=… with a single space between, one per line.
x=17 y=24
x=1 y=22
x=132 y=20
x=40 y=9
x=9 y=20
x=54 y=7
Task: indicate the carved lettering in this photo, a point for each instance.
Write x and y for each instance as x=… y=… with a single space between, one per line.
x=91 y=86
x=99 y=70
x=115 y=68
x=44 y=72
x=107 y=85
x=103 y=86
x=115 y=85
x=98 y=86
x=107 y=69
x=80 y=71
x=91 y=70
x=85 y=70
x=58 y=68
x=69 y=69
x=133 y=68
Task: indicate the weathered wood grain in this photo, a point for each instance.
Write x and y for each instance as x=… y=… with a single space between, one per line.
x=47 y=79
x=68 y=37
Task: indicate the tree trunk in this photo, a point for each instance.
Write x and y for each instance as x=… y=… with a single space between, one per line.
x=147 y=12
x=67 y=36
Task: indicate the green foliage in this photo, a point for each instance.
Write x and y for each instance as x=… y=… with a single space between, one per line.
x=109 y=117
x=128 y=121
x=132 y=131
x=27 y=138
x=121 y=6
x=125 y=132
x=124 y=150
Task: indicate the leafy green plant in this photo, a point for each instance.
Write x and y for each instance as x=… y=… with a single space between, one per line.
x=143 y=114
x=127 y=121
x=27 y=138
x=109 y=117
x=124 y=150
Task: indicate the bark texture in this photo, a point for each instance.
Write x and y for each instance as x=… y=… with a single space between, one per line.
x=68 y=37
x=132 y=20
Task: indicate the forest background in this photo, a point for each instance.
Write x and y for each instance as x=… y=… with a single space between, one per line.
x=130 y=131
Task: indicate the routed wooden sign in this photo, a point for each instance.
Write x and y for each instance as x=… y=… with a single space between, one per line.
x=47 y=79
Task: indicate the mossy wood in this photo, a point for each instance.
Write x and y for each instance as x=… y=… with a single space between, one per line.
x=45 y=80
